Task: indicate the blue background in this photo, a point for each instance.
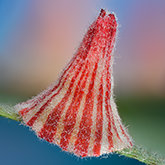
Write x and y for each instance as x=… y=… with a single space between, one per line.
x=19 y=146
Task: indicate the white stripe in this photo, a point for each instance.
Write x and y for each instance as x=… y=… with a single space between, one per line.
x=105 y=142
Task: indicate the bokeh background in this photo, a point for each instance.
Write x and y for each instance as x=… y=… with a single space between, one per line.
x=38 y=38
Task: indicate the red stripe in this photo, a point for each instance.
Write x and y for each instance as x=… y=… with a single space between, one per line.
x=22 y=111
x=71 y=114
x=123 y=132
x=108 y=110
x=81 y=53
x=83 y=137
x=99 y=121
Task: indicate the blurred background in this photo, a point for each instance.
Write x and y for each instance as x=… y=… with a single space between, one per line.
x=38 y=38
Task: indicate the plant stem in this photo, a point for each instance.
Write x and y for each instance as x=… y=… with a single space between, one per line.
x=136 y=152
x=143 y=155
x=9 y=112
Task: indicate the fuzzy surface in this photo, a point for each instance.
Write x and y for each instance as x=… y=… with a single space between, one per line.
x=78 y=112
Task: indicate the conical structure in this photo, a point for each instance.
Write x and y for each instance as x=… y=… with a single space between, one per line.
x=78 y=112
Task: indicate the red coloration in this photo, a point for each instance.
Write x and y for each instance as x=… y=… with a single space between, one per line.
x=78 y=112
x=99 y=121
